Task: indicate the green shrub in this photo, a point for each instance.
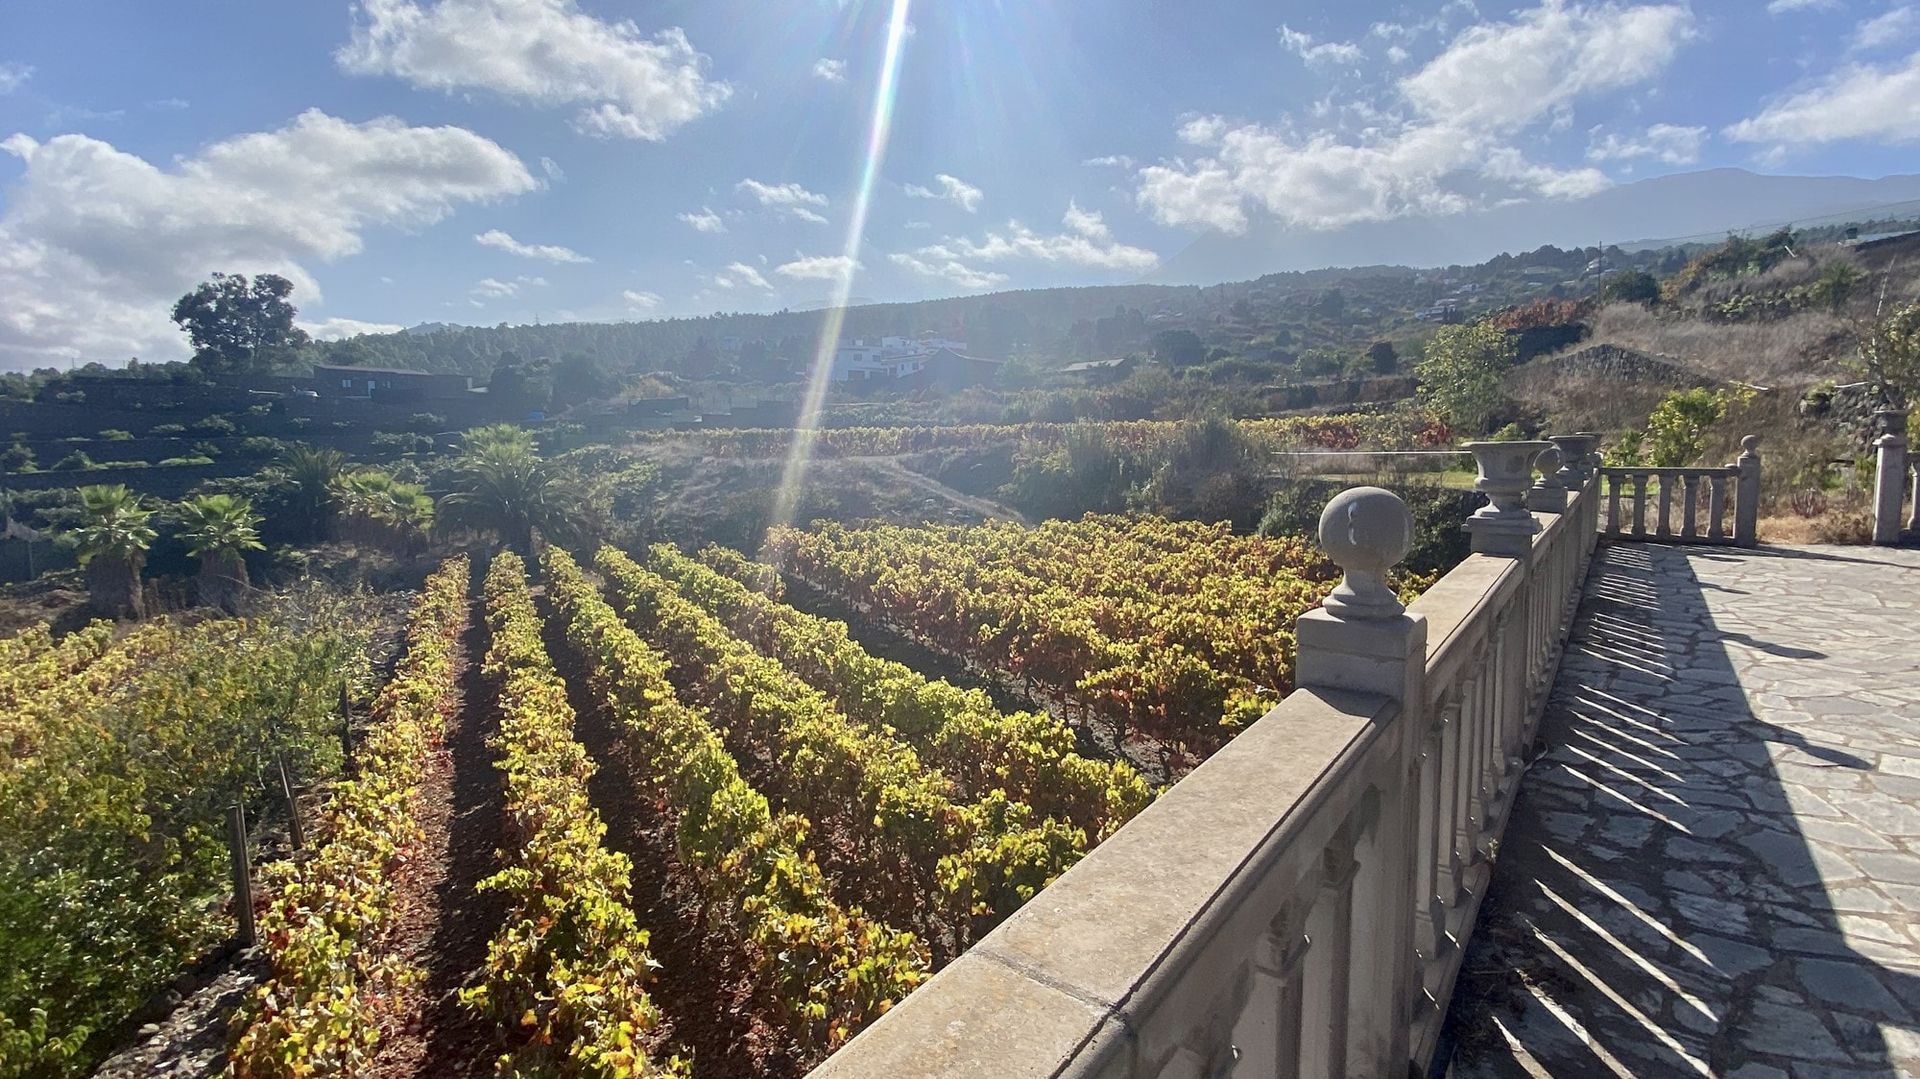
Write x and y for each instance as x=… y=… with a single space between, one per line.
x=77 y=461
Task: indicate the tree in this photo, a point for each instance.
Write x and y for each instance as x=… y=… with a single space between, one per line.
x=113 y=537
x=376 y=507
x=310 y=473
x=219 y=530
x=231 y=320
x=1890 y=356
x=1383 y=358
x=502 y=485
x=1181 y=348
x=1460 y=374
x=1630 y=286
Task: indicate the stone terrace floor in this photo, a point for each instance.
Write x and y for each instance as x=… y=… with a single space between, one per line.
x=1714 y=866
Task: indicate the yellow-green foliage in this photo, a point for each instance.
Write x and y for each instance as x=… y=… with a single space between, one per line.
x=1027 y=755
x=566 y=974
x=329 y=930
x=831 y=967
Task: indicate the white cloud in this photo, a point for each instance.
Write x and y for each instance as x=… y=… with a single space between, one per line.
x=952 y=189
x=1507 y=75
x=740 y=275
x=1453 y=150
x=638 y=300
x=96 y=244
x=545 y=252
x=333 y=329
x=553 y=170
x=492 y=288
x=546 y=52
x=1782 y=7
x=1888 y=28
x=950 y=270
x=13 y=76
x=704 y=221
x=1087 y=242
x=1670 y=143
x=830 y=70
x=1397 y=54
x=1329 y=53
x=1859 y=101
x=1114 y=161
x=818 y=267
x=789 y=198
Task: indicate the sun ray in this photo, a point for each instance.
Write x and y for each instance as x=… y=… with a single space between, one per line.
x=799 y=455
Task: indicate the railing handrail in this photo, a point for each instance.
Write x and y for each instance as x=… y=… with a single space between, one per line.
x=1670 y=470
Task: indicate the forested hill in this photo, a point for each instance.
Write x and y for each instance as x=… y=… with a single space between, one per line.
x=1338 y=310
x=1062 y=324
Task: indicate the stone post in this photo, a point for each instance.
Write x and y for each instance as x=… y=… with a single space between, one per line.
x=1549 y=492
x=1364 y=640
x=1746 y=501
x=1504 y=526
x=1889 y=487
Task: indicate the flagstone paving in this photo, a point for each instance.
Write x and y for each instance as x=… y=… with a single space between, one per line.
x=1714 y=866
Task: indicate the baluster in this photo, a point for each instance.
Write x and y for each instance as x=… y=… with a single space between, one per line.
x=1614 y=480
x=1687 y=529
x=1640 y=503
x=1268 y=1032
x=1475 y=715
x=1716 y=507
x=1326 y=975
x=1442 y=882
x=1666 y=505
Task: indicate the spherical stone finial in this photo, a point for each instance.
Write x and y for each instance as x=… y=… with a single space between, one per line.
x=1366 y=531
x=1548 y=462
x=1749 y=443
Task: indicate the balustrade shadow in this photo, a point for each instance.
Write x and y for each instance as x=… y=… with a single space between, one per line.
x=1692 y=881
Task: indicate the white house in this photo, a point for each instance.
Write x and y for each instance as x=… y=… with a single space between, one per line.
x=892 y=357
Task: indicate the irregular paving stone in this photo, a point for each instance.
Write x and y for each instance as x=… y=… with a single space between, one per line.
x=1765 y=706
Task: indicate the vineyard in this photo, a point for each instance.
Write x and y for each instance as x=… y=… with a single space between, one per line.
x=1382 y=431
x=732 y=833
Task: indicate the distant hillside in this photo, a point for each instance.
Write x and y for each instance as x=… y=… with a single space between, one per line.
x=1694 y=205
x=1276 y=316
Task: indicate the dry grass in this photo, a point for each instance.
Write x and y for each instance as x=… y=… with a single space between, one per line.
x=1583 y=401
x=1795 y=351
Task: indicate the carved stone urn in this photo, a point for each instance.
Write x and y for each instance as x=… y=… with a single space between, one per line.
x=1576 y=458
x=1504 y=526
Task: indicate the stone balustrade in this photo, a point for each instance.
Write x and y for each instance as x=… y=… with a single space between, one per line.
x=1300 y=903
x=1687 y=505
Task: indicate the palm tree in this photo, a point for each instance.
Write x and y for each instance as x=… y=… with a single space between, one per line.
x=113 y=536
x=379 y=508
x=496 y=436
x=311 y=473
x=219 y=530
x=505 y=487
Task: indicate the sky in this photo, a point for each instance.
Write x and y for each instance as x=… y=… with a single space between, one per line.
x=502 y=161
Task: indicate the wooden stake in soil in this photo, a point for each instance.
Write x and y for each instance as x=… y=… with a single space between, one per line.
x=346 y=731
x=294 y=831
x=242 y=872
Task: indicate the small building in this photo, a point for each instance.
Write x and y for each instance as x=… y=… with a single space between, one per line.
x=390 y=384
x=1100 y=371
x=946 y=370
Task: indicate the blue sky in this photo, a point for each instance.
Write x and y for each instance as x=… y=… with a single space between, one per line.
x=484 y=161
